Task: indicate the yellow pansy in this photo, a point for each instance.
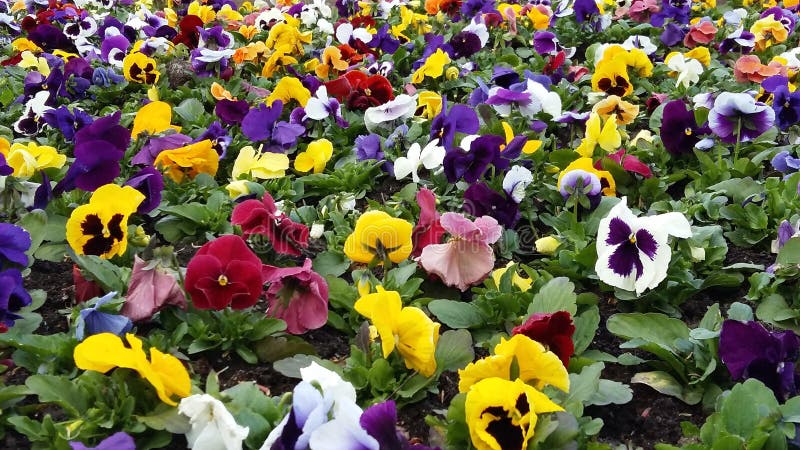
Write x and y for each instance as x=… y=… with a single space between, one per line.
x=331 y=58
x=284 y=34
x=153 y=118
x=237 y=188
x=100 y=228
x=531 y=361
x=259 y=165
x=768 y=32
x=429 y=104
x=523 y=284
x=29 y=158
x=625 y=112
x=379 y=236
x=288 y=89
x=229 y=14
x=531 y=145
x=204 y=12
x=539 y=17
x=188 y=161
x=406 y=329
x=277 y=59
x=315 y=157
x=140 y=68
x=23 y=44
x=248 y=31
x=502 y=414
x=433 y=66
x=701 y=54
x=30 y=60
x=607 y=137
x=105 y=351
x=611 y=76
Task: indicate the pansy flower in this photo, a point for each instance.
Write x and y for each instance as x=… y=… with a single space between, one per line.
x=738 y=116
x=150 y=290
x=92 y=320
x=458 y=119
x=554 y=330
x=298 y=296
x=212 y=425
x=100 y=227
x=430 y=157
x=263 y=218
x=224 y=272
x=315 y=157
x=29 y=158
x=188 y=161
x=482 y=200
x=679 y=129
x=378 y=237
x=260 y=165
x=14 y=242
x=406 y=329
x=632 y=252
x=140 y=68
x=117 y=441
x=607 y=136
x=13 y=296
x=153 y=118
x=360 y=91
x=467 y=257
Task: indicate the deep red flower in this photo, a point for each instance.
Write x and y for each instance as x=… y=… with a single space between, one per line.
x=552 y=330
x=627 y=162
x=189 y=34
x=361 y=91
x=224 y=272
x=350 y=54
x=263 y=218
x=428 y=229
x=84 y=289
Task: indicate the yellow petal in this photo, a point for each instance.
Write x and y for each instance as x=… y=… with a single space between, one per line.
x=103 y=352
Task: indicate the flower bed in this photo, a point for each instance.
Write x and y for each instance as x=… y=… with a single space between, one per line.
x=399 y=225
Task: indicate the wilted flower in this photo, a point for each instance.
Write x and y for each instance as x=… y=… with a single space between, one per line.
x=298 y=295
x=749 y=350
x=224 y=272
x=92 y=321
x=632 y=252
x=467 y=257
x=264 y=218
x=407 y=329
x=150 y=289
x=105 y=351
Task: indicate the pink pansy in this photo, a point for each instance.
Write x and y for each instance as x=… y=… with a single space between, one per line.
x=428 y=230
x=628 y=162
x=467 y=257
x=298 y=295
x=150 y=290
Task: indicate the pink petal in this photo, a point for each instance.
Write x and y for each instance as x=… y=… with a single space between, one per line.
x=149 y=291
x=490 y=229
x=458 y=225
x=458 y=263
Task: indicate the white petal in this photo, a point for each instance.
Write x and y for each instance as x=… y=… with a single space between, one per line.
x=404 y=166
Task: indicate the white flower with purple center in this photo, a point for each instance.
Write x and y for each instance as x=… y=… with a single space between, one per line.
x=632 y=252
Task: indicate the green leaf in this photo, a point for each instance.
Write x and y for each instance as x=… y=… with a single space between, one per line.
x=168 y=419
x=35 y=224
x=55 y=389
x=557 y=295
x=746 y=405
x=108 y=275
x=190 y=110
x=274 y=348
x=668 y=385
x=775 y=311
x=454 y=350
x=651 y=327
x=290 y=367
x=740 y=311
x=330 y=263
x=789 y=254
x=586 y=324
x=609 y=392
x=456 y=314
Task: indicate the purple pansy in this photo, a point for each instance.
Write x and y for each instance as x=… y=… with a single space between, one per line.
x=460 y=118
x=632 y=252
x=545 y=42
x=155 y=145
x=231 y=112
x=114 y=49
x=5 y=169
x=93 y=321
x=739 y=116
x=260 y=124
x=582 y=183
x=149 y=182
x=67 y=121
x=14 y=242
x=739 y=40
x=786 y=104
x=13 y=296
x=481 y=200
x=677 y=10
x=672 y=35
x=220 y=140
x=471 y=165
x=465 y=44
x=785 y=163
x=380 y=422
x=679 y=130
x=749 y=350
x=117 y=441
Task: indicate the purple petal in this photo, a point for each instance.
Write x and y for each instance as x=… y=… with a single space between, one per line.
x=625 y=259
x=618 y=231
x=646 y=243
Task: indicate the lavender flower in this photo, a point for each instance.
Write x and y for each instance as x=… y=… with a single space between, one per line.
x=93 y=321
x=738 y=116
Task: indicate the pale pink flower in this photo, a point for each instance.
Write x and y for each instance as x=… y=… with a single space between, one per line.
x=298 y=295
x=467 y=257
x=149 y=291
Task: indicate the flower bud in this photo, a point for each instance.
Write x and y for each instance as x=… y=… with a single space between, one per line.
x=547 y=245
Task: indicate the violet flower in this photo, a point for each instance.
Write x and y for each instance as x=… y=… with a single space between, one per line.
x=114 y=49
x=471 y=165
x=149 y=182
x=785 y=163
x=369 y=147
x=67 y=121
x=13 y=296
x=679 y=130
x=672 y=35
x=465 y=44
x=155 y=145
x=749 y=350
x=545 y=42
x=785 y=104
x=117 y=441
x=384 y=41
x=231 y=112
x=258 y=123
x=740 y=40
x=677 y=10
x=220 y=140
x=738 y=116
x=481 y=200
x=14 y=242
x=504 y=77
x=92 y=321
x=5 y=169
x=460 y=118
x=380 y=422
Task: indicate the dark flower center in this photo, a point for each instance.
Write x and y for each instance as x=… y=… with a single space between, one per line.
x=102 y=238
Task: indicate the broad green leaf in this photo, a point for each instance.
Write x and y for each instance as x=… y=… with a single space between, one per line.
x=668 y=385
x=290 y=367
x=789 y=254
x=652 y=327
x=456 y=314
x=557 y=295
x=59 y=390
x=454 y=350
x=274 y=348
x=746 y=405
x=609 y=392
x=168 y=419
x=586 y=324
x=330 y=263
x=108 y=275
x=190 y=110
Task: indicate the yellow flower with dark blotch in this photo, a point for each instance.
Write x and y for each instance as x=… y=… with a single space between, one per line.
x=611 y=77
x=768 y=32
x=105 y=351
x=331 y=59
x=153 y=118
x=429 y=104
x=100 y=227
x=29 y=158
x=378 y=236
x=288 y=89
x=519 y=357
x=502 y=414
x=316 y=156
x=189 y=161
x=433 y=66
x=585 y=164
x=260 y=165
x=626 y=112
x=140 y=68
x=284 y=34
x=407 y=329
x=277 y=59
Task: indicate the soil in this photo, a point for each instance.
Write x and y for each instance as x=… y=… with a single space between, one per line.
x=649 y=418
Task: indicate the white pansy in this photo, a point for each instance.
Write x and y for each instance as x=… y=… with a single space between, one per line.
x=213 y=426
x=430 y=157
